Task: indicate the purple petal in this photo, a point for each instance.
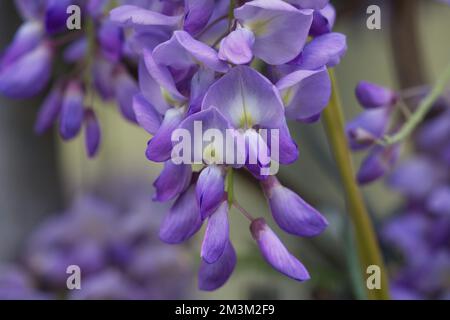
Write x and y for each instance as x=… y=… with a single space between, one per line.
x=288 y=147
x=151 y=90
x=377 y=163
x=183 y=219
x=110 y=37
x=125 y=89
x=371 y=95
x=210 y=189
x=173 y=180
x=72 y=111
x=200 y=83
x=76 y=50
x=323 y=21
x=103 y=72
x=275 y=253
x=128 y=15
x=367 y=127
x=92 y=134
x=146 y=115
x=325 y=50
x=197 y=15
x=182 y=50
x=310 y=4
x=56 y=16
x=31 y=9
x=291 y=212
x=216 y=234
x=305 y=93
x=49 y=111
x=258 y=156
x=439 y=201
x=28 y=75
x=213 y=276
x=280 y=29
x=246 y=98
x=160 y=146
x=237 y=46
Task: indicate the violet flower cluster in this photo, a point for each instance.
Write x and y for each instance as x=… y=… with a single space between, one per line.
x=113 y=244
x=241 y=67
x=94 y=65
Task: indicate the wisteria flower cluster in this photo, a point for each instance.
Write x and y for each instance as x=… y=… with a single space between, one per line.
x=114 y=245
x=241 y=67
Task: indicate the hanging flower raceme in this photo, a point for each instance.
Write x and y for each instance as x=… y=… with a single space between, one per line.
x=216 y=87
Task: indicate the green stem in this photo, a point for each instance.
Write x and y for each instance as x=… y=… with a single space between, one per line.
x=366 y=242
x=425 y=106
x=230 y=186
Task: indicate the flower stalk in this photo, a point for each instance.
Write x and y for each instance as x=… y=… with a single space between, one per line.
x=367 y=246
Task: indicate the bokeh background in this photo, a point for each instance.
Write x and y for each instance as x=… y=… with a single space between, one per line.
x=44 y=181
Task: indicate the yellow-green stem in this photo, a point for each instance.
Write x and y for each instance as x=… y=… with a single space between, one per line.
x=366 y=241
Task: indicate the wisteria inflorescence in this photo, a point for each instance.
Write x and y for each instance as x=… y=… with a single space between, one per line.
x=236 y=66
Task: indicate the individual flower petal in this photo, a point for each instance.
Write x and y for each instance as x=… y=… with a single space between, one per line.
x=182 y=51
x=129 y=15
x=377 y=163
x=151 y=90
x=323 y=21
x=371 y=95
x=216 y=234
x=160 y=146
x=183 y=219
x=125 y=89
x=27 y=37
x=103 y=72
x=72 y=111
x=310 y=4
x=237 y=46
x=280 y=29
x=200 y=83
x=416 y=177
x=92 y=133
x=56 y=16
x=246 y=98
x=213 y=276
x=367 y=127
x=49 y=111
x=146 y=115
x=439 y=201
x=197 y=15
x=275 y=253
x=210 y=189
x=173 y=180
x=305 y=93
x=110 y=37
x=291 y=212
x=258 y=155
x=28 y=75
x=325 y=50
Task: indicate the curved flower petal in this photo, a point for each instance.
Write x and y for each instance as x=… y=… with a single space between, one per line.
x=173 y=180
x=151 y=90
x=182 y=50
x=323 y=21
x=310 y=4
x=200 y=83
x=377 y=163
x=49 y=111
x=325 y=50
x=146 y=115
x=237 y=46
x=275 y=253
x=305 y=93
x=216 y=234
x=125 y=89
x=110 y=37
x=367 y=127
x=213 y=276
x=72 y=111
x=210 y=189
x=197 y=15
x=246 y=98
x=280 y=29
x=371 y=95
x=56 y=16
x=93 y=133
x=291 y=212
x=183 y=219
x=129 y=15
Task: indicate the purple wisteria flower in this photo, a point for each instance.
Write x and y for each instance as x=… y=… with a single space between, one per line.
x=238 y=73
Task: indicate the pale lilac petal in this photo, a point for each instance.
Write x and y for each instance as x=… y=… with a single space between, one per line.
x=151 y=90
x=216 y=234
x=371 y=95
x=310 y=4
x=200 y=83
x=173 y=180
x=246 y=98
x=159 y=148
x=92 y=133
x=291 y=212
x=49 y=111
x=325 y=50
x=275 y=253
x=182 y=50
x=237 y=46
x=146 y=115
x=72 y=111
x=210 y=189
x=183 y=219
x=305 y=93
x=213 y=276
x=280 y=29
x=129 y=15
x=197 y=15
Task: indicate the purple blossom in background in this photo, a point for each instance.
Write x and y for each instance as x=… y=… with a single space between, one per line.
x=115 y=245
